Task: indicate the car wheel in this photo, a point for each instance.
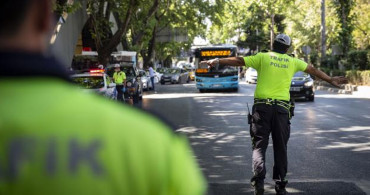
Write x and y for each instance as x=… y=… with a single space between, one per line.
x=202 y=90
x=141 y=95
x=188 y=81
x=235 y=89
x=311 y=99
x=149 y=88
x=136 y=98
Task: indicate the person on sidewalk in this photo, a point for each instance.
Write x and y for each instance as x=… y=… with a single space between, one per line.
x=152 y=75
x=271 y=112
x=57 y=139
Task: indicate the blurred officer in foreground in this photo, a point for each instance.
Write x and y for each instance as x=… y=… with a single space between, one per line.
x=58 y=140
x=272 y=109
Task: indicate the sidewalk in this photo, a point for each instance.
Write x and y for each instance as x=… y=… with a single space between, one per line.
x=362 y=91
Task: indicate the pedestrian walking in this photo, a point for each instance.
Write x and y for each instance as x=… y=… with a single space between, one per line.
x=119 y=78
x=57 y=139
x=272 y=109
x=152 y=75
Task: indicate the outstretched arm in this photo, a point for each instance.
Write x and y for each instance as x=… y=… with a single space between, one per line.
x=335 y=81
x=233 y=61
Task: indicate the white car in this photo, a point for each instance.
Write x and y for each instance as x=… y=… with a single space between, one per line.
x=251 y=75
x=145 y=79
x=95 y=82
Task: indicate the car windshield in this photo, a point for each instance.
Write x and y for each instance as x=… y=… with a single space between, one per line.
x=300 y=74
x=161 y=70
x=129 y=71
x=89 y=82
x=173 y=71
x=144 y=73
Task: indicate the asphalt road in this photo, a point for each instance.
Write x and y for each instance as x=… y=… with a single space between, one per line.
x=329 y=146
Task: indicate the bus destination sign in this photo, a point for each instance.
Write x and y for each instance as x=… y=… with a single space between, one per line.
x=215 y=53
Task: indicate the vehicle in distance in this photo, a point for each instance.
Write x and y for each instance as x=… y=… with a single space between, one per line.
x=302 y=87
x=145 y=79
x=95 y=81
x=192 y=74
x=175 y=75
x=217 y=77
x=251 y=75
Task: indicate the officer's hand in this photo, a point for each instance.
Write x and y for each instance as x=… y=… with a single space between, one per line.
x=212 y=62
x=338 y=81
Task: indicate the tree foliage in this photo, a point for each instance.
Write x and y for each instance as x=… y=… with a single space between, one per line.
x=343 y=10
x=136 y=24
x=347 y=24
x=249 y=24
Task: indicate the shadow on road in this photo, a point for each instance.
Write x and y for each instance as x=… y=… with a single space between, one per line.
x=297 y=188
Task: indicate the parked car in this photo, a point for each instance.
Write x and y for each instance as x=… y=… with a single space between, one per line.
x=134 y=86
x=94 y=81
x=161 y=70
x=251 y=75
x=145 y=79
x=157 y=76
x=192 y=74
x=175 y=75
x=302 y=87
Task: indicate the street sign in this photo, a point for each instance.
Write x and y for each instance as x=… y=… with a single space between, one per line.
x=306 y=49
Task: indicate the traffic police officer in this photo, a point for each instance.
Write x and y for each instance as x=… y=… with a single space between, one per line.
x=56 y=139
x=119 y=78
x=271 y=111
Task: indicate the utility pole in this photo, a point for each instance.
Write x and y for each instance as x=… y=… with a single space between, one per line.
x=323 y=30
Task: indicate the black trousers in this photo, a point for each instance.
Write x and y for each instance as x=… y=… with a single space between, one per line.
x=268 y=119
x=119 y=92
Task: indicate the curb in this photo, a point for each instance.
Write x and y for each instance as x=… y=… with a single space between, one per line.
x=334 y=90
x=347 y=89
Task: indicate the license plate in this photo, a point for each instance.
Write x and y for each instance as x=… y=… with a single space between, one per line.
x=216 y=85
x=295 y=89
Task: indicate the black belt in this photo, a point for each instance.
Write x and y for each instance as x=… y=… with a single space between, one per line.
x=270 y=101
x=285 y=104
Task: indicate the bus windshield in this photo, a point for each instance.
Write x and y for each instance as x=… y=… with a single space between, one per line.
x=208 y=53
x=224 y=69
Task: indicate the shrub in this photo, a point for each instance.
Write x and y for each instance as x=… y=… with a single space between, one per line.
x=359 y=59
x=333 y=72
x=358 y=77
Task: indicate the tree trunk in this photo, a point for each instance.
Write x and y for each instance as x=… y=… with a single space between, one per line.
x=272 y=33
x=106 y=47
x=148 y=57
x=345 y=26
x=323 y=31
x=103 y=57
